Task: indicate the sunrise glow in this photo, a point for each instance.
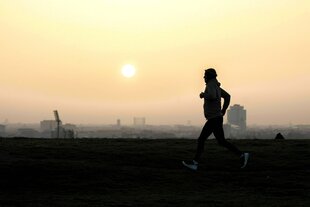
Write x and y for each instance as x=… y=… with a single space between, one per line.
x=128 y=71
x=72 y=55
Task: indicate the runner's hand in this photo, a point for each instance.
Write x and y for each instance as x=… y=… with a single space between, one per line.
x=202 y=95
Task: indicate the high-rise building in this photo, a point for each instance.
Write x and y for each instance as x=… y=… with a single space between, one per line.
x=236 y=115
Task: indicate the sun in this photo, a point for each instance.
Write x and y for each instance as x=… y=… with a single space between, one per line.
x=128 y=71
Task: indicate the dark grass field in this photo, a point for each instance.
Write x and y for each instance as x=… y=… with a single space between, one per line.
x=138 y=172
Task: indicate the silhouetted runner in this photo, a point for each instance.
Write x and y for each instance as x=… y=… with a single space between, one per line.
x=214 y=114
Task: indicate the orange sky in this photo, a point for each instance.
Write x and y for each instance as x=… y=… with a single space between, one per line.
x=67 y=55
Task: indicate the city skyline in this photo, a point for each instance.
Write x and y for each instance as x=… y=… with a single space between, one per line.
x=70 y=56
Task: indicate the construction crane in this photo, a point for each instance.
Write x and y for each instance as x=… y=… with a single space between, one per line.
x=57 y=119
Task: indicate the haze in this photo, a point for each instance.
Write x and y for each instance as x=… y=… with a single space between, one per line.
x=68 y=55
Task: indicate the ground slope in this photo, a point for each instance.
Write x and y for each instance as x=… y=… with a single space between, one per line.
x=138 y=172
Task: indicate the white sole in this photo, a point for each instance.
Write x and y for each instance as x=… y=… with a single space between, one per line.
x=186 y=165
x=246 y=159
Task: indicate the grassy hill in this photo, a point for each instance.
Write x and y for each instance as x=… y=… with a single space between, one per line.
x=138 y=172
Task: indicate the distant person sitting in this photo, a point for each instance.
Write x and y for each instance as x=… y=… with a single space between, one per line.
x=214 y=115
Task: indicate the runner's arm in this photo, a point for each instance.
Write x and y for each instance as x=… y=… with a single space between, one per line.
x=226 y=98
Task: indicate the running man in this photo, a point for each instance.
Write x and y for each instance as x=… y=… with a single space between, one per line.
x=214 y=114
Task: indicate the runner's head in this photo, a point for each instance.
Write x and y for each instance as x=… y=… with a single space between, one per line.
x=210 y=74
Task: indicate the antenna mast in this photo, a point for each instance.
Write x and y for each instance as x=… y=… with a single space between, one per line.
x=57 y=119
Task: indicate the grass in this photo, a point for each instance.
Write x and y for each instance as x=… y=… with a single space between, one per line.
x=139 y=172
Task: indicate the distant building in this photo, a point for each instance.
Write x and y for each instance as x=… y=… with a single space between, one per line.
x=48 y=125
x=118 y=122
x=2 y=130
x=236 y=115
x=69 y=130
x=227 y=130
x=63 y=132
x=69 y=127
x=139 y=121
x=28 y=132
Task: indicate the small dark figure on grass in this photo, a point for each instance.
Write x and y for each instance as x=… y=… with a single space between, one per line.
x=279 y=136
x=214 y=113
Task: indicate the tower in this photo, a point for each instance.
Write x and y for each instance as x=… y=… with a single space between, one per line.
x=118 y=122
x=236 y=115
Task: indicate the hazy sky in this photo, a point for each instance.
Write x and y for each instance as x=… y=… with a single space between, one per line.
x=68 y=55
